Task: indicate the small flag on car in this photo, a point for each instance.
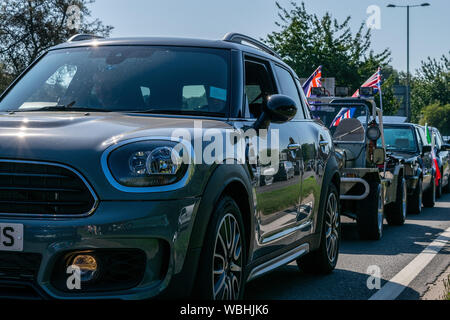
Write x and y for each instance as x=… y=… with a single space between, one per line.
x=374 y=81
x=314 y=81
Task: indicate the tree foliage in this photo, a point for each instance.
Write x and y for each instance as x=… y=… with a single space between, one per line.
x=306 y=41
x=430 y=86
x=437 y=116
x=29 y=27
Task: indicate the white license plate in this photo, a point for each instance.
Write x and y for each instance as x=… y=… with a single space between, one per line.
x=11 y=237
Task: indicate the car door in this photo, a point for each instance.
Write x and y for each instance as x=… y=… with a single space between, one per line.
x=315 y=144
x=427 y=170
x=444 y=156
x=278 y=194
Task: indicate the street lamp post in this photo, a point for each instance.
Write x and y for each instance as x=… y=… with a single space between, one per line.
x=408 y=79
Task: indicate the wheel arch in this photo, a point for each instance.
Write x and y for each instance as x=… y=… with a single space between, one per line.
x=333 y=176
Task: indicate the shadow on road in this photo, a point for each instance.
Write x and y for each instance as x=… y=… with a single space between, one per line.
x=289 y=283
x=411 y=238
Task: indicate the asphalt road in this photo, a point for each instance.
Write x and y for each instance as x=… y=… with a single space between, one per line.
x=398 y=247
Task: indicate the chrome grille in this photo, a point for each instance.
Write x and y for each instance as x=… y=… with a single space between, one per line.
x=43 y=189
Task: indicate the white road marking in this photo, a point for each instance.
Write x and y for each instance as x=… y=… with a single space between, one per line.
x=394 y=287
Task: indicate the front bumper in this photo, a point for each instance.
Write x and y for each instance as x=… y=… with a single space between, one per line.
x=161 y=229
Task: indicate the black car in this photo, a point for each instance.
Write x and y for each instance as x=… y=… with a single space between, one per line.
x=407 y=142
x=101 y=169
x=443 y=157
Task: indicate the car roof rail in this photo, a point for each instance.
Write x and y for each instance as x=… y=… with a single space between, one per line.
x=242 y=39
x=84 y=36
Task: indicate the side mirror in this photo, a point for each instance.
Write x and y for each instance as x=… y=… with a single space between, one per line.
x=278 y=108
x=379 y=156
x=426 y=149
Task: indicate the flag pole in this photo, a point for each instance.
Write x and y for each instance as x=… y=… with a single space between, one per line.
x=379 y=88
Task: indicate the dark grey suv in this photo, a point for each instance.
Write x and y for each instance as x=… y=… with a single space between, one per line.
x=131 y=168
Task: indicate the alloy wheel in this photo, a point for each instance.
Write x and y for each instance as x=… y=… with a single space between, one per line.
x=332 y=223
x=227 y=261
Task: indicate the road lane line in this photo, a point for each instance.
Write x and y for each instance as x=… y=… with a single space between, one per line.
x=394 y=287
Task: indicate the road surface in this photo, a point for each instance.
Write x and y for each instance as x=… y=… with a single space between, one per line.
x=407 y=262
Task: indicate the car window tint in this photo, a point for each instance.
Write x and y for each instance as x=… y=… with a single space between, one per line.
x=53 y=88
x=258 y=85
x=127 y=78
x=289 y=88
x=194 y=96
x=399 y=139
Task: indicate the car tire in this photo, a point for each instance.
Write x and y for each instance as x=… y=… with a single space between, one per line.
x=446 y=189
x=371 y=214
x=324 y=259
x=221 y=272
x=439 y=189
x=415 y=200
x=429 y=196
x=396 y=212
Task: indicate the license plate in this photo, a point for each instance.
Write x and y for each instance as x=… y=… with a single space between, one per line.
x=11 y=237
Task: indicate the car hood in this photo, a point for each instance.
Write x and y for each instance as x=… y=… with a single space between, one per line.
x=79 y=139
x=407 y=157
x=34 y=134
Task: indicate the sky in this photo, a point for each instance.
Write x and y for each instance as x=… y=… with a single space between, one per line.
x=211 y=19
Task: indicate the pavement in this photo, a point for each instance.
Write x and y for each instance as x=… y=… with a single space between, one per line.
x=410 y=260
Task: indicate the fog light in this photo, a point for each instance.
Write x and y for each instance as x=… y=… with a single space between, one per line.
x=88 y=266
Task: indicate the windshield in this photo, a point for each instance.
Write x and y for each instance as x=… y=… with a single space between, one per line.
x=125 y=78
x=399 y=139
x=333 y=114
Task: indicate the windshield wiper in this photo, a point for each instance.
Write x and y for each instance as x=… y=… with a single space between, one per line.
x=178 y=112
x=64 y=107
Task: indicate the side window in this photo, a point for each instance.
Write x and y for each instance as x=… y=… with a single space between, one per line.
x=258 y=85
x=289 y=88
x=303 y=99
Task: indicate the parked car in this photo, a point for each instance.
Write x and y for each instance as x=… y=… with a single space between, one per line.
x=93 y=175
x=443 y=157
x=372 y=184
x=407 y=142
x=286 y=171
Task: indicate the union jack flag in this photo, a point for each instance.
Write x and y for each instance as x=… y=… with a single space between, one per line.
x=344 y=113
x=314 y=81
x=374 y=81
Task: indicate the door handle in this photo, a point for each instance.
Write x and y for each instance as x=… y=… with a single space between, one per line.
x=294 y=146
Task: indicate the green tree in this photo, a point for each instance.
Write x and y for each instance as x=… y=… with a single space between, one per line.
x=306 y=41
x=437 y=116
x=390 y=102
x=29 y=27
x=430 y=86
x=5 y=78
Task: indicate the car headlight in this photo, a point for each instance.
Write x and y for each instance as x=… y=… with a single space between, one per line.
x=147 y=164
x=373 y=133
